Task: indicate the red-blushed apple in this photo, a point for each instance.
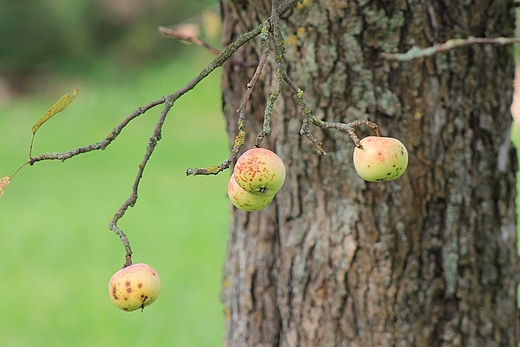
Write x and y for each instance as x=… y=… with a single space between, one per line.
x=134 y=287
x=380 y=158
x=260 y=171
x=244 y=200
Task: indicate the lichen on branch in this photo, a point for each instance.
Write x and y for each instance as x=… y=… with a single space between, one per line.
x=419 y=53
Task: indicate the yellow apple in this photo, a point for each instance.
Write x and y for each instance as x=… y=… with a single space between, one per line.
x=260 y=171
x=380 y=158
x=134 y=287
x=244 y=200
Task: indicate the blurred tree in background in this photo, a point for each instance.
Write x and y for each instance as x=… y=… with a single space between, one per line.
x=39 y=36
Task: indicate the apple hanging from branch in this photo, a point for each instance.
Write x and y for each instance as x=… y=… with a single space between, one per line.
x=244 y=200
x=260 y=171
x=379 y=159
x=134 y=287
x=257 y=176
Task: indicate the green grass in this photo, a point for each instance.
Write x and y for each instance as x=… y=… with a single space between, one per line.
x=56 y=253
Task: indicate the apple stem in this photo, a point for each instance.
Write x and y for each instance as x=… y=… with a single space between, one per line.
x=347 y=127
x=358 y=123
x=128 y=250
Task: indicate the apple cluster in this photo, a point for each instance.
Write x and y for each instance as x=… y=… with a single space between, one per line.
x=380 y=158
x=257 y=176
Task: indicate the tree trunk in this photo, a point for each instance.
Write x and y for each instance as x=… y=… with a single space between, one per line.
x=427 y=260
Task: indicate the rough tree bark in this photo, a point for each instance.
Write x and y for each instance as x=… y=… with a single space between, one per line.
x=427 y=260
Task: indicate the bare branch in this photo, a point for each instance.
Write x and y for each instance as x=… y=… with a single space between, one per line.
x=169 y=100
x=187 y=38
x=279 y=50
x=349 y=128
x=419 y=53
x=126 y=243
x=214 y=64
x=112 y=135
x=239 y=139
x=308 y=118
x=154 y=139
x=132 y=199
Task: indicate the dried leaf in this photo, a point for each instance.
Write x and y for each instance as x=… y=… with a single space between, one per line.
x=59 y=106
x=4 y=181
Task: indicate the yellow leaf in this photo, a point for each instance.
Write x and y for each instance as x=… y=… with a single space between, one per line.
x=4 y=181
x=305 y=4
x=59 y=106
x=211 y=24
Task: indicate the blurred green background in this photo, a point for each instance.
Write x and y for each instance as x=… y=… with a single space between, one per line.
x=56 y=253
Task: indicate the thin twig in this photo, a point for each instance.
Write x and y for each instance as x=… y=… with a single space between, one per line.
x=168 y=100
x=266 y=128
x=112 y=135
x=220 y=59
x=188 y=38
x=132 y=199
x=418 y=53
x=349 y=128
x=154 y=139
x=239 y=139
x=279 y=50
x=126 y=243
x=308 y=117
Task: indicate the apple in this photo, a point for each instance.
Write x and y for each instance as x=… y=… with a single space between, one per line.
x=134 y=287
x=380 y=158
x=260 y=171
x=244 y=200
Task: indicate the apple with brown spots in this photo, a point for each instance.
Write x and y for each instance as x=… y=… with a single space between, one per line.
x=260 y=171
x=380 y=159
x=134 y=287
